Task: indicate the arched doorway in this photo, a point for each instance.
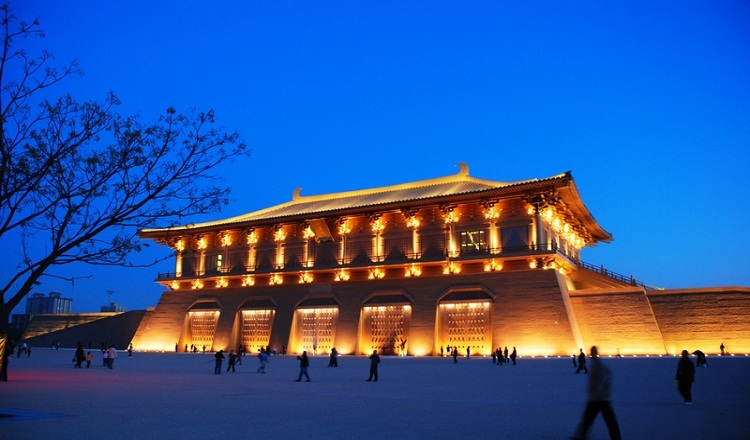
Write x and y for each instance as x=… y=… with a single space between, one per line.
x=384 y=323
x=464 y=320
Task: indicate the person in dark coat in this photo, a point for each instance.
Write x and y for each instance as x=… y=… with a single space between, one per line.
x=304 y=362
x=219 y=358
x=374 y=361
x=80 y=356
x=599 y=399
x=334 y=360
x=700 y=359
x=582 y=362
x=685 y=377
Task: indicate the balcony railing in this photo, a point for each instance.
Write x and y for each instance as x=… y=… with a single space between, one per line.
x=429 y=255
x=615 y=276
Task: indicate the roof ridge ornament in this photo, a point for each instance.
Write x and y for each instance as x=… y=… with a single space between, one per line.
x=296 y=194
x=464 y=169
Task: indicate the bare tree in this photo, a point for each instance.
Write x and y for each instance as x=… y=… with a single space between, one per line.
x=78 y=180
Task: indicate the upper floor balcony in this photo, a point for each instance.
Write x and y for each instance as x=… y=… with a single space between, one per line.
x=326 y=262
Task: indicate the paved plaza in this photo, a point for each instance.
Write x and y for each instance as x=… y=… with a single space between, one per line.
x=176 y=395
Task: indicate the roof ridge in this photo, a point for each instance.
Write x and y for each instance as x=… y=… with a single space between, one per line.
x=461 y=176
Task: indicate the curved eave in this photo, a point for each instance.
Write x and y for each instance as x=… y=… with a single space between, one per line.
x=574 y=202
x=456 y=188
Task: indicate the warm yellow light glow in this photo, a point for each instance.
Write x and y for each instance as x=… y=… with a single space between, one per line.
x=451 y=217
x=279 y=235
x=452 y=268
x=344 y=228
x=377 y=225
x=202 y=243
x=376 y=274
x=341 y=275
x=197 y=284
x=532 y=264
x=308 y=233
x=305 y=277
x=222 y=282
x=180 y=245
x=492 y=266
x=174 y=285
x=491 y=213
x=413 y=271
x=530 y=210
x=248 y=281
x=275 y=279
x=226 y=239
x=412 y=222
x=252 y=237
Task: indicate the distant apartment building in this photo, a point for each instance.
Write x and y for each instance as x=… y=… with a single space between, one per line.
x=53 y=303
x=114 y=307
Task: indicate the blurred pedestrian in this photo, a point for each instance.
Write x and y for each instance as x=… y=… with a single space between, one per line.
x=263 y=357
x=685 y=377
x=700 y=359
x=232 y=361
x=582 y=362
x=334 y=361
x=111 y=356
x=80 y=356
x=599 y=399
x=304 y=362
x=219 y=359
x=513 y=355
x=374 y=361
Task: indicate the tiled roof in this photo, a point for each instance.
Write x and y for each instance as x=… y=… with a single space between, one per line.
x=320 y=205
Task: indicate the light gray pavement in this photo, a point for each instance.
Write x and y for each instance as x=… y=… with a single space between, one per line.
x=176 y=395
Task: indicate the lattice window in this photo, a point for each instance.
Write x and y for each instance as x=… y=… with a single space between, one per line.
x=256 y=328
x=203 y=327
x=317 y=328
x=388 y=328
x=465 y=325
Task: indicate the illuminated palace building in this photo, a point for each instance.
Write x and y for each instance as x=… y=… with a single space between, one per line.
x=415 y=268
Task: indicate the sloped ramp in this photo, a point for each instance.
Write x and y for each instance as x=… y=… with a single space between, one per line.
x=115 y=329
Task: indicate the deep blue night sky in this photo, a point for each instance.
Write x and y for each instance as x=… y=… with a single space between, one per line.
x=647 y=103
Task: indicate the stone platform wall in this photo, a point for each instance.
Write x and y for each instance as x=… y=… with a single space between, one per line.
x=701 y=319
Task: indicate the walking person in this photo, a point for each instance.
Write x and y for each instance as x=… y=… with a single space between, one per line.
x=582 y=362
x=232 y=361
x=513 y=355
x=219 y=358
x=455 y=355
x=88 y=360
x=263 y=357
x=111 y=355
x=80 y=356
x=599 y=399
x=334 y=361
x=685 y=377
x=304 y=362
x=700 y=359
x=374 y=361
